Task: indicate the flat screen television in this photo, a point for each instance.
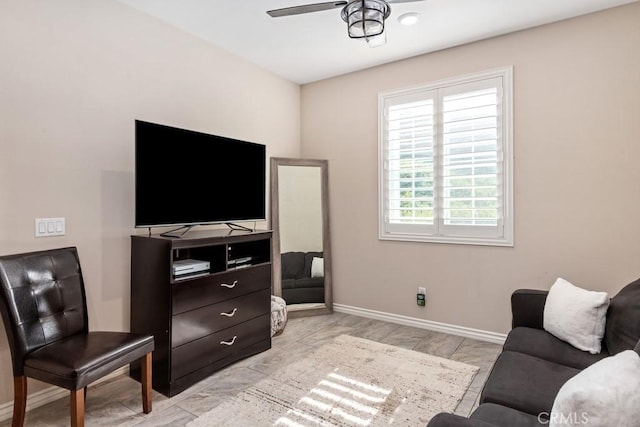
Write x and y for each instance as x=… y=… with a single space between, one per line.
x=184 y=177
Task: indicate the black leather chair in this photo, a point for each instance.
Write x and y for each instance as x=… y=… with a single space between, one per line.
x=44 y=309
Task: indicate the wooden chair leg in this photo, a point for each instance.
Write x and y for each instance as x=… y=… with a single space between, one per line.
x=77 y=408
x=19 y=400
x=146 y=383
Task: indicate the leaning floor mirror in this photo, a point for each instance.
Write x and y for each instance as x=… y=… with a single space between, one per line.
x=301 y=238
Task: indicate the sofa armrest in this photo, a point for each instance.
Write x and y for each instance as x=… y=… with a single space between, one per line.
x=444 y=419
x=527 y=308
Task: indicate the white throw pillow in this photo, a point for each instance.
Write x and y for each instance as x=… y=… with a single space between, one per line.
x=605 y=394
x=317 y=267
x=576 y=315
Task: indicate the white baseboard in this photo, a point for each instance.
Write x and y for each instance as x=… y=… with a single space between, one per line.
x=50 y=394
x=463 y=331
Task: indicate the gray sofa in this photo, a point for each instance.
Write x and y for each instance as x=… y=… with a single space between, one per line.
x=534 y=364
x=298 y=287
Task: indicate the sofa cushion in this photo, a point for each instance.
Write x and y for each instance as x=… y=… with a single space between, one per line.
x=504 y=416
x=622 y=330
x=527 y=307
x=293 y=265
x=576 y=315
x=526 y=383
x=445 y=419
x=604 y=394
x=288 y=283
x=538 y=343
x=310 y=282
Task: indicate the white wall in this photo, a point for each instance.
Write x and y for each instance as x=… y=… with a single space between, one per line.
x=74 y=76
x=577 y=197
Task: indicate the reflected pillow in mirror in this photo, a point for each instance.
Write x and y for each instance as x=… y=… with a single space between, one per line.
x=317 y=267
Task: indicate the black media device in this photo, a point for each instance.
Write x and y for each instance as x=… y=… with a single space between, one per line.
x=185 y=178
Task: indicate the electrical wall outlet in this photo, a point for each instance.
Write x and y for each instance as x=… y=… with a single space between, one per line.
x=421 y=297
x=47 y=227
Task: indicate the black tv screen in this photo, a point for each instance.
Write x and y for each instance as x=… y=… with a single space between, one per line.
x=183 y=177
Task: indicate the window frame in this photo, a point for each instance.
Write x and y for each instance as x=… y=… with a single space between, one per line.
x=438 y=232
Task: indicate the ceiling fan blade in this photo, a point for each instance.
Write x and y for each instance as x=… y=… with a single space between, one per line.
x=307 y=8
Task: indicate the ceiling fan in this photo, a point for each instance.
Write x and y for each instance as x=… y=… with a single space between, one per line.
x=364 y=18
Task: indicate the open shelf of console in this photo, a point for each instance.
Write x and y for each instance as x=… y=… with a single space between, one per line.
x=206 y=319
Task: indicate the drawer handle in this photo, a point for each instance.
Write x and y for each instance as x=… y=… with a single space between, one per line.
x=231 y=286
x=230 y=313
x=229 y=342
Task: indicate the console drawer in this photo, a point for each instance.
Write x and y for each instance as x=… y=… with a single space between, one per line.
x=198 y=323
x=197 y=354
x=204 y=291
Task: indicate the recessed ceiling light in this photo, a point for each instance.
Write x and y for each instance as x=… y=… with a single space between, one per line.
x=409 y=18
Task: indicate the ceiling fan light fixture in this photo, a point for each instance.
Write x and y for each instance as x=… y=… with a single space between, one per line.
x=365 y=18
x=376 y=41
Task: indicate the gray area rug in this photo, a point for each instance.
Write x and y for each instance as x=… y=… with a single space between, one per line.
x=349 y=382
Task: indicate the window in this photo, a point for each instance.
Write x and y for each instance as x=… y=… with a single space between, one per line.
x=446 y=161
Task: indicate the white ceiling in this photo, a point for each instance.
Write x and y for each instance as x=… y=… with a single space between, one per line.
x=315 y=46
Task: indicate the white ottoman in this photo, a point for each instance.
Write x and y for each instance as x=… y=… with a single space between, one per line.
x=278 y=315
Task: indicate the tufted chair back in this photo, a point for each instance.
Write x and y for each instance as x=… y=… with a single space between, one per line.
x=42 y=300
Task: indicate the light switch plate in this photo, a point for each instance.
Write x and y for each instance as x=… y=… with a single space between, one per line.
x=47 y=227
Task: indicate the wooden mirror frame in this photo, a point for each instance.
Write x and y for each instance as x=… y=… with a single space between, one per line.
x=326 y=232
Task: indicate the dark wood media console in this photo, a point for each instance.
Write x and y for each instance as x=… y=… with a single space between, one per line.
x=203 y=320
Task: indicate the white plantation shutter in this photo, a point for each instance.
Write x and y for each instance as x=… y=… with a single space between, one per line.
x=445 y=168
x=409 y=162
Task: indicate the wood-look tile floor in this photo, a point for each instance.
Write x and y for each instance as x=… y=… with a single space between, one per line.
x=117 y=402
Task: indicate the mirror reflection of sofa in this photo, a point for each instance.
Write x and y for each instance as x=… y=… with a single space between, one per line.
x=302 y=277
